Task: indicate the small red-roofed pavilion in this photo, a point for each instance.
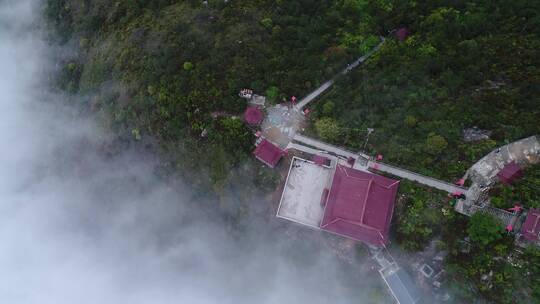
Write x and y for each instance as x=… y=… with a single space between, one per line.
x=510 y=173
x=402 y=33
x=360 y=206
x=531 y=227
x=268 y=153
x=253 y=116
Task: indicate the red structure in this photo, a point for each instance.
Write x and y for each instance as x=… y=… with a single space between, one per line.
x=253 y=116
x=360 y=205
x=402 y=34
x=516 y=209
x=531 y=227
x=268 y=153
x=510 y=173
x=321 y=160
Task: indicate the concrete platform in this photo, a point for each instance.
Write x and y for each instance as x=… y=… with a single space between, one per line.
x=301 y=198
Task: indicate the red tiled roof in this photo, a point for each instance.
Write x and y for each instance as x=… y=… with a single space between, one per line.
x=360 y=205
x=509 y=173
x=531 y=227
x=253 y=115
x=320 y=160
x=402 y=33
x=268 y=153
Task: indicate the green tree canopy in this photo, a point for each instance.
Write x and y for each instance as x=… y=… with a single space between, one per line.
x=410 y=121
x=272 y=93
x=435 y=144
x=484 y=229
x=327 y=128
x=532 y=264
x=188 y=65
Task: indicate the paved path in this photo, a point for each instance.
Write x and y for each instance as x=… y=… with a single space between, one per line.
x=363 y=58
x=303 y=148
x=422 y=179
x=327 y=147
x=400 y=172
x=325 y=86
x=311 y=96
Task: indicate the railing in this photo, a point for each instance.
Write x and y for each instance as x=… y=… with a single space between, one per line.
x=327 y=147
x=426 y=180
x=325 y=86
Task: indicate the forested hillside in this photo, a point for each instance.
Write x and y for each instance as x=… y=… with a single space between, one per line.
x=155 y=71
x=465 y=64
x=161 y=68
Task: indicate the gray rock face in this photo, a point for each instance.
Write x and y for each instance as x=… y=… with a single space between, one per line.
x=475 y=134
x=525 y=152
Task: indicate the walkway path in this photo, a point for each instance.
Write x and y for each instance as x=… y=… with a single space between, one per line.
x=303 y=148
x=325 y=86
x=422 y=179
x=400 y=172
x=327 y=147
x=311 y=96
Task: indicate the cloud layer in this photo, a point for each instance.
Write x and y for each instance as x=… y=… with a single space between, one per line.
x=80 y=227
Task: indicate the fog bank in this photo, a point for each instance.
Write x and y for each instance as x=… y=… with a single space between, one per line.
x=80 y=227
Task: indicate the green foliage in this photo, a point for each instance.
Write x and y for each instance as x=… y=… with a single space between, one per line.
x=69 y=77
x=484 y=229
x=266 y=178
x=420 y=216
x=163 y=67
x=435 y=144
x=328 y=108
x=490 y=267
x=479 y=149
x=233 y=135
x=463 y=65
x=415 y=227
x=59 y=15
x=327 y=129
x=410 y=121
x=524 y=191
x=136 y=134
x=267 y=23
x=219 y=169
x=531 y=262
x=188 y=66
x=272 y=94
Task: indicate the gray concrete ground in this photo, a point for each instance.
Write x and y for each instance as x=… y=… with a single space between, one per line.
x=281 y=124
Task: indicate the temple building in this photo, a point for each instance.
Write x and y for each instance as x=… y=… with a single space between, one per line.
x=509 y=173
x=253 y=116
x=531 y=228
x=348 y=202
x=268 y=153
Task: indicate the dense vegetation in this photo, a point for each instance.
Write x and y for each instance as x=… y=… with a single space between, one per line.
x=524 y=191
x=422 y=213
x=161 y=68
x=158 y=72
x=488 y=259
x=465 y=64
